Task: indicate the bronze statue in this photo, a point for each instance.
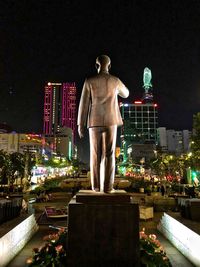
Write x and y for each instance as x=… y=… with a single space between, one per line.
x=99 y=107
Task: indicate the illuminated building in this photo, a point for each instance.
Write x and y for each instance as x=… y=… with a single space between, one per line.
x=140 y=119
x=59 y=108
x=62 y=142
x=21 y=142
x=140 y=122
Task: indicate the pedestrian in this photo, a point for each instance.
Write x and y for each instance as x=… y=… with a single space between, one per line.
x=162 y=190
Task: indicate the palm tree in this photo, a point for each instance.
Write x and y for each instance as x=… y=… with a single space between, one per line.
x=195 y=144
x=17 y=165
x=4 y=167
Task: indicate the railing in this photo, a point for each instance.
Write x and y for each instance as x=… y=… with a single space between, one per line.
x=10 y=208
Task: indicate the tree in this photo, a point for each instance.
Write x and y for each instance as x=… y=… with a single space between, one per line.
x=17 y=164
x=4 y=167
x=195 y=144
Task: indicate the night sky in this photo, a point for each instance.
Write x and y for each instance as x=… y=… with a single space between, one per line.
x=45 y=41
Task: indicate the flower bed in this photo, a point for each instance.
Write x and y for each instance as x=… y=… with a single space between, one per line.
x=152 y=253
x=53 y=253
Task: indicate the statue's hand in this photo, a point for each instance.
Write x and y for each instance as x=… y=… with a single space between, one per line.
x=81 y=131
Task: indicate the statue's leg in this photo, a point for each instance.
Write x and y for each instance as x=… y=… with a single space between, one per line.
x=95 y=156
x=109 y=140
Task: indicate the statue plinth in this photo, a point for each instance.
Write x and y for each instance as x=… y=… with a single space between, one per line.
x=89 y=196
x=103 y=230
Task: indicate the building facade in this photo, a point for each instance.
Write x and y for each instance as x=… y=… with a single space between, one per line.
x=59 y=108
x=171 y=141
x=20 y=142
x=62 y=142
x=140 y=122
x=141 y=152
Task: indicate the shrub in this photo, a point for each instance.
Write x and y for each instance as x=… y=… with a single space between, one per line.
x=151 y=251
x=53 y=253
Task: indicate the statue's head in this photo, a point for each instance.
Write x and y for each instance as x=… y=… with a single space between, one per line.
x=103 y=62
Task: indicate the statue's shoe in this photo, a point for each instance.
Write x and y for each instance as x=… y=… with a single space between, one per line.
x=96 y=190
x=110 y=191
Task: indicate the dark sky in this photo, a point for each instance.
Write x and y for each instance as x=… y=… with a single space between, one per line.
x=44 y=41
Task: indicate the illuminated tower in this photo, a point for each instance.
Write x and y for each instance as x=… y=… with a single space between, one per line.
x=147 y=85
x=69 y=107
x=59 y=108
x=140 y=119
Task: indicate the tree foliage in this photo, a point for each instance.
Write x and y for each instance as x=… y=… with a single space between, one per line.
x=195 y=144
x=11 y=166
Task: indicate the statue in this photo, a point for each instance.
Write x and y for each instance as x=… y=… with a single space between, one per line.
x=147 y=79
x=99 y=108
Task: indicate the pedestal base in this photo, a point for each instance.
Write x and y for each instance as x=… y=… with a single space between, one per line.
x=103 y=231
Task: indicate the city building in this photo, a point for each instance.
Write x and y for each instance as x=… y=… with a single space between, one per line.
x=142 y=153
x=171 y=141
x=186 y=140
x=140 y=119
x=62 y=142
x=140 y=122
x=20 y=142
x=162 y=138
x=59 y=108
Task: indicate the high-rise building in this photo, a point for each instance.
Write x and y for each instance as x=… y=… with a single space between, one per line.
x=59 y=108
x=140 y=120
x=140 y=123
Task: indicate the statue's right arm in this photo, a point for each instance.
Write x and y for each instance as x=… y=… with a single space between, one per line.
x=122 y=90
x=83 y=108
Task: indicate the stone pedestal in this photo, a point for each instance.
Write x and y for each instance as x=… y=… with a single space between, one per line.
x=103 y=230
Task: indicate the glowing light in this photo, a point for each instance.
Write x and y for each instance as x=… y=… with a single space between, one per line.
x=126 y=105
x=147 y=79
x=129 y=150
x=155 y=105
x=138 y=102
x=49 y=84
